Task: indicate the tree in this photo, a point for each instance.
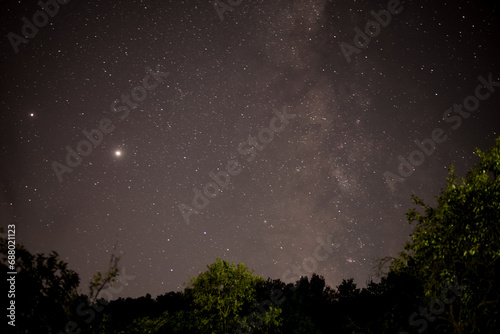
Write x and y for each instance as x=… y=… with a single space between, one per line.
x=459 y=241
x=224 y=296
x=48 y=289
x=347 y=291
x=101 y=281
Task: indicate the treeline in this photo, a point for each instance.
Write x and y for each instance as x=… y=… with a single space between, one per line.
x=308 y=306
x=446 y=280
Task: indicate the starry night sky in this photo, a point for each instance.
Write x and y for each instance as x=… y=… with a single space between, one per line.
x=321 y=175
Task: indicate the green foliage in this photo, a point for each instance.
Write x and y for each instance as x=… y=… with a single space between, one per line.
x=222 y=293
x=257 y=322
x=146 y=325
x=460 y=238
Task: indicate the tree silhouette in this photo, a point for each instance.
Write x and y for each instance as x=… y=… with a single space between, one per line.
x=46 y=290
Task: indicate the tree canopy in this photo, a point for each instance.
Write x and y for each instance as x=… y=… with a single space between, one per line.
x=221 y=293
x=459 y=240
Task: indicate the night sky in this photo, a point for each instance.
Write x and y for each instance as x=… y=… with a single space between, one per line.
x=177 y=93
